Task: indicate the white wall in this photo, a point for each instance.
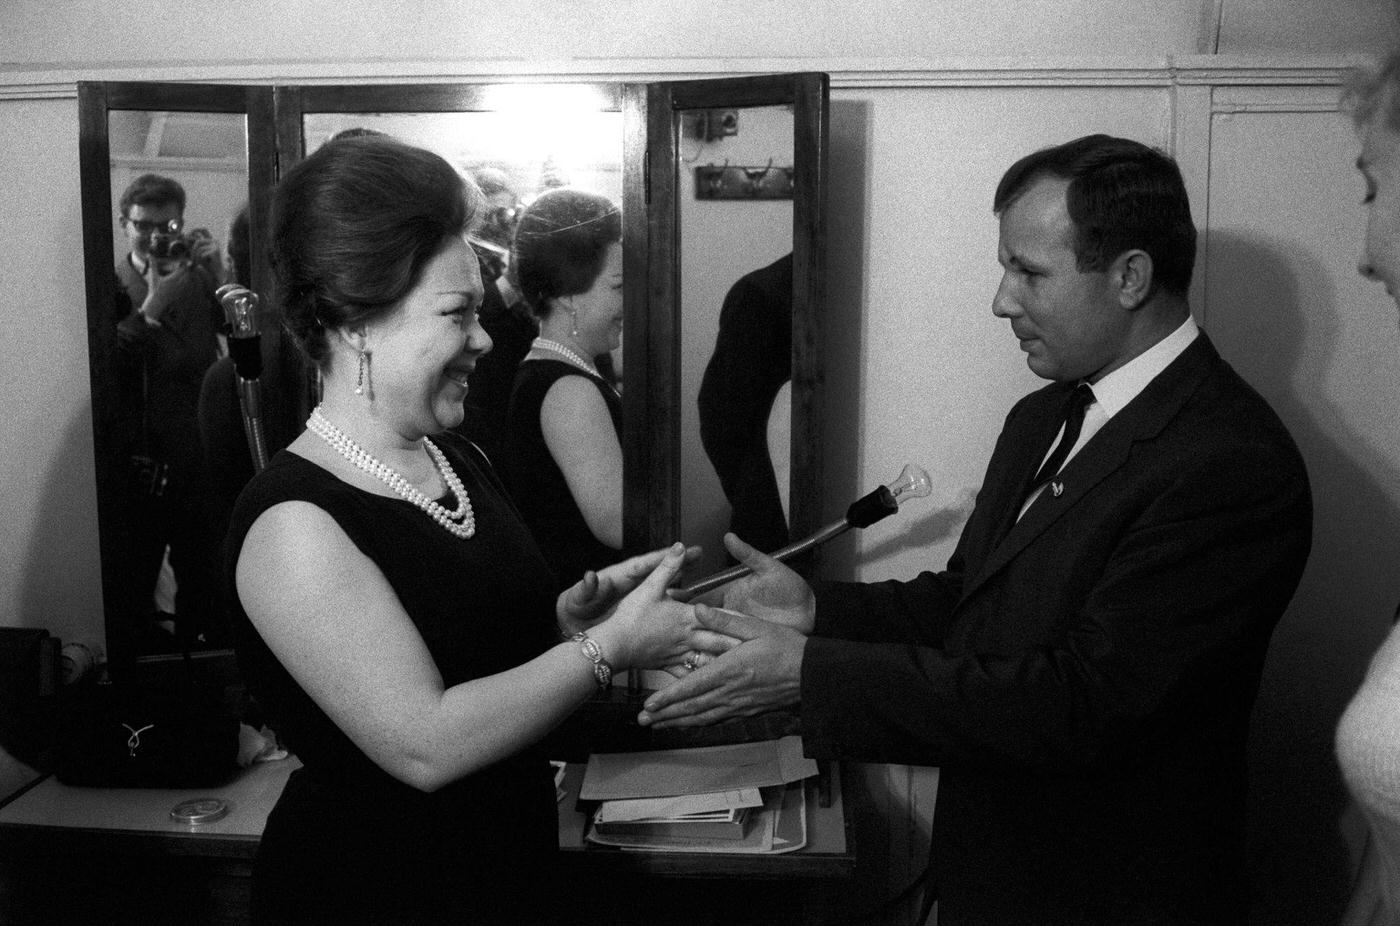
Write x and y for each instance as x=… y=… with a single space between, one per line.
x=1287 y=307
x=48 y=549
x=589 y=34
x=930 y=102
x=720 y=241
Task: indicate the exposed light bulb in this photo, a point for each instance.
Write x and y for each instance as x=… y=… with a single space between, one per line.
x=240 y=306
x=912 y=482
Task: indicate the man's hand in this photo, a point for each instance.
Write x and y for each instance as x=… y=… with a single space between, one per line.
x=205 y=251
x=772 y=591
x=762 y=673
x=164 y=281
x=597 y=593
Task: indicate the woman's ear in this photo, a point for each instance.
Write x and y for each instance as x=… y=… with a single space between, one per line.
x=356 y=337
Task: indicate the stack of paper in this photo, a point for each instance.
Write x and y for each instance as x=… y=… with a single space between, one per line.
x=745 y=798
x=717 y=815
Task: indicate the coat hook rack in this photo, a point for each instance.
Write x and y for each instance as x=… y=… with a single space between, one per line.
x=726 y=181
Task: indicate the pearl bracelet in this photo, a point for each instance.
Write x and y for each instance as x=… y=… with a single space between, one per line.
x=602 y=669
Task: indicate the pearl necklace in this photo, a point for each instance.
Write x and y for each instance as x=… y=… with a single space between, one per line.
x=460 y=523
x=564 y=352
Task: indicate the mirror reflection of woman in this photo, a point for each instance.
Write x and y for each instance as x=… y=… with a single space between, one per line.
x=564 y=448
x=393 y=617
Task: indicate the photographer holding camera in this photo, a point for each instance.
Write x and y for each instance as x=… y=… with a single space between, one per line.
x=168 y=322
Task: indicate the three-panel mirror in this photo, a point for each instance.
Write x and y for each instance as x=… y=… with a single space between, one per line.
x=720 y=186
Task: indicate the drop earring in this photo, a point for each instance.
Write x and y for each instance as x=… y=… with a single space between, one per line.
x=360 y=379
x=573 y=313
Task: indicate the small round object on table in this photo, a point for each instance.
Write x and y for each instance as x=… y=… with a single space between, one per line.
x=199 y=810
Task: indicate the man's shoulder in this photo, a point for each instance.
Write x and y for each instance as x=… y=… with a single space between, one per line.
x=1226 y=397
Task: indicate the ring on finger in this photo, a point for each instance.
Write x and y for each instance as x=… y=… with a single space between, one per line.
x=692 y=661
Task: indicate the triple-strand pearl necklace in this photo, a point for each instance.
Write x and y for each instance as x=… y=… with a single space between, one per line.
x=460 y=523
x=565 y=352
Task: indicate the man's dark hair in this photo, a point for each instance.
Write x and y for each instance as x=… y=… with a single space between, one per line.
x=153 y=190
x=1122 y=195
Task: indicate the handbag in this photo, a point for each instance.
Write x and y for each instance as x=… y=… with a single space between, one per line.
x=134 y=736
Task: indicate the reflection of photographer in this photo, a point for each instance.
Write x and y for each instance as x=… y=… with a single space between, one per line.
x=171 y=255
x=168 y=322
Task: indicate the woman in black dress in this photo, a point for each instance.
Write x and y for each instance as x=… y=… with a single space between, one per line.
x=564 y=424
x=392 y=615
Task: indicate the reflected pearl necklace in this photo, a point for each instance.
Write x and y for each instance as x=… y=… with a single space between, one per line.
x=566 y=353
x=460 y=523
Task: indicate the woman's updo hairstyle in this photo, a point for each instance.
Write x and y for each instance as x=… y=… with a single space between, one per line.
x=352 y=227
x=561 y=244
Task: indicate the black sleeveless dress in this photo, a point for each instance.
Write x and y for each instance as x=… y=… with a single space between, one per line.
x=346 y=842
x=537 y=483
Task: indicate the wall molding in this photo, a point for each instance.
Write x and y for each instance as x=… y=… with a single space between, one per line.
x=846 y=74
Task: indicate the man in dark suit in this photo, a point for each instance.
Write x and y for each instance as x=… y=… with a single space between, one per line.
x=751 y=362
x=1083 y=670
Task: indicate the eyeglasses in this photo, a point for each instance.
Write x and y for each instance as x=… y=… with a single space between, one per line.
x=148 y=227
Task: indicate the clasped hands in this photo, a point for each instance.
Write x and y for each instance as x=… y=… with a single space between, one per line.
x=742 y=659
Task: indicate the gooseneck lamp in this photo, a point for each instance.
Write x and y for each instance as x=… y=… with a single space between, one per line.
x=240 y=306
x=912 y=482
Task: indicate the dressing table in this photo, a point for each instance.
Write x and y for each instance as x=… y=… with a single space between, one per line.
x=70 y=854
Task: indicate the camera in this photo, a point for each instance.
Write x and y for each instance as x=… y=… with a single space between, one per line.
x=169 y=246
x=174 y=245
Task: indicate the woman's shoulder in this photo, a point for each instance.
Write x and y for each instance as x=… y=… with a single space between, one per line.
x=577 y=400
x=288 y=477
x=551 y=381
x=1368 y=733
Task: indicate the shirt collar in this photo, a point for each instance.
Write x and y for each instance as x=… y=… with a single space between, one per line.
x=1120 y=387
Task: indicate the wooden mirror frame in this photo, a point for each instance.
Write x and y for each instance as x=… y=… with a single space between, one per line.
x=652 y=513
x=96 y=101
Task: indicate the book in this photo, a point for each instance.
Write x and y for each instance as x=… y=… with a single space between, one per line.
x=780 y=825
x=724 y=824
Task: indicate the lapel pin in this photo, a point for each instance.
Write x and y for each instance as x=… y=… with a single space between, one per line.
x=1057 y=489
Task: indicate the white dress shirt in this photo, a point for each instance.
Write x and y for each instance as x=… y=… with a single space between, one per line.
x=1113 y=393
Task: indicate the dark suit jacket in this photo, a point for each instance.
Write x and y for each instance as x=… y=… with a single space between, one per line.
x=752 y=360
x=1084 y=677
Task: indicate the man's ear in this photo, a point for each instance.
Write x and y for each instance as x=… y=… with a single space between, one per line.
x=1132 y=278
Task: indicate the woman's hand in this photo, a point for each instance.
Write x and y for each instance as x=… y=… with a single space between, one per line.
x=650 y=630
x=595 y=595
x=761 y=672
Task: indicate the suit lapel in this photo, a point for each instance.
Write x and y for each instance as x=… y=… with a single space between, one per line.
x=1107 y=451
x=1026 y=452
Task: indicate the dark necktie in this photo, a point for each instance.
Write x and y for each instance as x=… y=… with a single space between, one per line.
x=1080 y=399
